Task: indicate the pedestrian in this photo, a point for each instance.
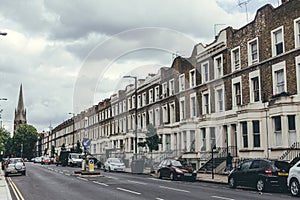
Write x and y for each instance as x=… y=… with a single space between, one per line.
x=229 y=162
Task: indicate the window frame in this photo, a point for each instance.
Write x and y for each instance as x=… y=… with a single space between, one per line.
x=181 y=82
x=204 y=73
x=192 y=77
x=250 y=51
x=234 y=64
x=193 y=109
x=205 y=105
x=297 y=32
x=252 y=76
x=275 y=68
x=273 y=40
x=218 y=73
x=217 y=100
x=234 y=100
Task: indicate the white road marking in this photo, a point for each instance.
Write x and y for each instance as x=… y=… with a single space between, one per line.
x=159 y=198
x=100 y=183
x=82 y=179
x=175 y=189
x=137 y=182
x=111 y=177
x=225 y=198
x=155 y=179
x=130 y=191
x=68 y=174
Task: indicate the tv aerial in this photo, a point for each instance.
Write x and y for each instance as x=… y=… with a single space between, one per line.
x=244 y=3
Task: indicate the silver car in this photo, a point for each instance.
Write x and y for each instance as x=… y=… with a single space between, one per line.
x=294 y=180
x=114 y=164
x=15 y=166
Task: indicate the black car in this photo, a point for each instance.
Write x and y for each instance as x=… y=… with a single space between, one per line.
x=261 y=174
x=174 y=170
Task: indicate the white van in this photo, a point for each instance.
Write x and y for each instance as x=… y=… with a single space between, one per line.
x=74 y=159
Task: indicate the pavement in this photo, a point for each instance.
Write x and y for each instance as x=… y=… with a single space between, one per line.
x=4 y=190
x=202 y=177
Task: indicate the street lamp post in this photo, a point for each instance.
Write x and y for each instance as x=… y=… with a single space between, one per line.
x=135 y=110
x=73 y=134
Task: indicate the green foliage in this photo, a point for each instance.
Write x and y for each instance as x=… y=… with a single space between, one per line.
x=152 y=140
x=78 y=148
x=27 y=136
x=4 y=140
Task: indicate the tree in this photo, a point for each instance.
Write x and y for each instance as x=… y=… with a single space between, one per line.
x=78 y=148
x=24 y=140
x=152 y=139
x=4 y=140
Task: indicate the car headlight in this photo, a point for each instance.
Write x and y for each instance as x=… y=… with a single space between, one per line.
x=178 y=170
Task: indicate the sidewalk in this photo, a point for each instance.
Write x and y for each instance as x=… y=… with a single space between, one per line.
x=4 y=190
x=220 y=179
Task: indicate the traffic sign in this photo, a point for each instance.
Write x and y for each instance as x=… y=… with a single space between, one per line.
x=86 y=142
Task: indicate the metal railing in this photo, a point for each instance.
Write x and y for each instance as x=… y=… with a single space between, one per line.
x=292 y=152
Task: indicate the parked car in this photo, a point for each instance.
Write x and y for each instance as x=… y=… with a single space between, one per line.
x=114 y=164
x=294 y=180
x=261 y=174
x=74 y=159
x=3 y=163
x=15 y=166
x=37 y=160
x=45 y=160
x=174 y=170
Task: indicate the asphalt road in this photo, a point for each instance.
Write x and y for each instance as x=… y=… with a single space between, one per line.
x=52 y=182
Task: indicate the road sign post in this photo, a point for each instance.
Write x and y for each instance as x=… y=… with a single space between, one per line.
x=91 y=165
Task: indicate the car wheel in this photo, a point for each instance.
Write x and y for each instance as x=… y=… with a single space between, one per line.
x=109 y=169
x=232 y=183
x=159 y=174
x=24 y=173
x=294 y=187
x=260 y=185
x=173 y=176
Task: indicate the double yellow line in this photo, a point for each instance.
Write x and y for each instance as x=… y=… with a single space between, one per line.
x=15 y=189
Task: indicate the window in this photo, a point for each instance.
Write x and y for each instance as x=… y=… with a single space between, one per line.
x=184 y=140
x=245 y=134
x=212 y=136
x=292 y=129
x=144 y=99
x=237 y=93
x=165 y=113
x=172 y=88
x=157 y=117
x=181 y=82
x=172 y=113
x=278 y=131
x=256 y=133
x=156 y=93
x=279 y=80
x=133 y=101
x=164 y=89
x=192 y=141
x=205 y=102
x=219 y=99
x=253 y=51
x=150 y=114
x=254 y=88
x=182 y=108
x=139 y=101
x=277 y=41
x=203 y=131
x=192 y=78
x=151 y=96
x=205 y=72
x=168 y=142
x=235 y=59
x=297 y=32
x=124 y=106
x=297 y=63
x=193 y=105
x=218 y=64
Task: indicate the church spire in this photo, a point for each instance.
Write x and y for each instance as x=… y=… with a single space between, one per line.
x=20 y=102
x=20 y=112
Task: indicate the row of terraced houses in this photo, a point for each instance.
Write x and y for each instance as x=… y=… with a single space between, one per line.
x=241 y=94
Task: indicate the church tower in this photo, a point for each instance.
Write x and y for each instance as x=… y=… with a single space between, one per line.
x=20 y=112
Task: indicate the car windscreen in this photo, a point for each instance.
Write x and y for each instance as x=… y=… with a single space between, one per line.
x=13 y=161
x=281 y=165
x=115 y=160
x=176 y=163
x=76 y=156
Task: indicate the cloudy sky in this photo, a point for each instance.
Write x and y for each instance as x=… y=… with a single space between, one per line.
x=72 y=54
